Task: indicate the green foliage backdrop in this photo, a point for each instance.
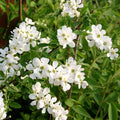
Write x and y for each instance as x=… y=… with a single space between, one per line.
x=101 y=99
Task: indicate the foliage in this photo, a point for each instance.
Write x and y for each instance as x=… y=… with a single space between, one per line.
x=101 y=99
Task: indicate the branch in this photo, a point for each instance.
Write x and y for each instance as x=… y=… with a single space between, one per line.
x=8 y=83
x=20 y=9
x=53 y=49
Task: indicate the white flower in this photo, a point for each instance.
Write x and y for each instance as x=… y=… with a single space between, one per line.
x=106 y=43
x=29 y=21
x=66 y=36
x=112 y=53
x=9 y=63
x=95 y=37
x=2 y=108
x=43 y=100
x=70 y=7
x=24 y=36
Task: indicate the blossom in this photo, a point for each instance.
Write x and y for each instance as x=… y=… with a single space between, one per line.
x=43 y=100
x=66 y=36
x=39 y=68
x=106 y=43
x=112 y=53
x=29 y=21
x=70 y=7
x=59 y=75
x=9 y=62
x=2 y=108
x=24 y=36
x=95 y=36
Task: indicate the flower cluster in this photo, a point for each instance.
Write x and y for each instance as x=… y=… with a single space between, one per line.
x=70 y=7
x=2 y=108
x=43 y=100
x=24 y=36
x=66 y=36
x=9 y=62
x=62 y=75
x=98 y=38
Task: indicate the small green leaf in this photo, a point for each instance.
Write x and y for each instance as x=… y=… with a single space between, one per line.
x=112 y=112
x=15 y=105
x=95 y=65
x=78 y=109
x=112 y=97
x=69 y=102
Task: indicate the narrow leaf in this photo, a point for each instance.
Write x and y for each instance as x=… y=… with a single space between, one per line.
x=78 y=109
x=112 y=112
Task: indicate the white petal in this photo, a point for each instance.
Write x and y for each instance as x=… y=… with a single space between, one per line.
x=32 y=96
x=55 y=64
x=33 y=103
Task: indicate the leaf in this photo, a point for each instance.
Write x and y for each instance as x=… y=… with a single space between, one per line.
x=111 y=97
x=78 y=109
x=105 y=63
x=1 y=74
x=112 y=112
x=84 y=44
x=95 y=65
x=15 y=105
x=97 y=98
x=69 y=102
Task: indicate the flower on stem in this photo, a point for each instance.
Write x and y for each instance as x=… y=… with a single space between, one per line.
x=112 y=53
x=43 y=100
x=66 y=36
x=70 y=7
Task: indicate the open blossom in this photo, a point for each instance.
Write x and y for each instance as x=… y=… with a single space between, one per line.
x=24 y=36
x=112 y=53
x=39 y=68
x=9 y=62
x=59 y=75
x=66 y=36
x=106 y=43
x=43 y=100
x=97 y=37
x=29 y=21
x=70 y=7
x=2 y=108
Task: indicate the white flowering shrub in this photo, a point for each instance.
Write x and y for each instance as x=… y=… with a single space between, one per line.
x=62 y=65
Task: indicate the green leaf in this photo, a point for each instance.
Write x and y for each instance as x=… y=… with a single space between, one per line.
x=15 y=105
x=78 y=109
x=112 y=112
x=1 y=74
x=84 y=44
x=69 y=102
x=95 y=65
x=32 y=4
x=97 y=98
x=111 y=97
